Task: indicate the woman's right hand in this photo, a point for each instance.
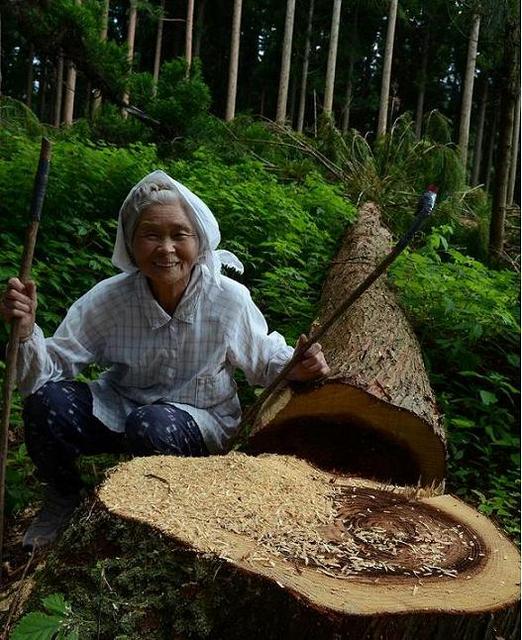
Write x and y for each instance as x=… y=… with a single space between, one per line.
x=19 y=301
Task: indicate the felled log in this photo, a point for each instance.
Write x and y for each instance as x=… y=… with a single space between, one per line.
x=376 y=416
x=270 y=547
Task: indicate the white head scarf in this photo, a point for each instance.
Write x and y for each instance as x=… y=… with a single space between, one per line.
x=202 y=218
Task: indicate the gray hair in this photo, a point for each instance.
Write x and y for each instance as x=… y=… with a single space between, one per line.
x=148 y=194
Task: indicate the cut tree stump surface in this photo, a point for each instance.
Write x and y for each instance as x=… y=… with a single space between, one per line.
x=345 y=545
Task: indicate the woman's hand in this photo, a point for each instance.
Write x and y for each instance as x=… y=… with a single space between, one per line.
x=312 y=365
x=19 y=302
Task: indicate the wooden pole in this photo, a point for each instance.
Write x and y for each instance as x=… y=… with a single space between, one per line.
x=40 y=184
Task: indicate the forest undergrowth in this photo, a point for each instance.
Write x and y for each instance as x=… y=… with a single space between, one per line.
x=283 y=213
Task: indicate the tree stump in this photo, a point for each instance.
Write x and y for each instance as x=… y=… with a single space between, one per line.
x=376 y=415
x=271 y=547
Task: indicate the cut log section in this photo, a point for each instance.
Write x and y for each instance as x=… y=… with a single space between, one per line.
x=376 y=416
x=342 y=555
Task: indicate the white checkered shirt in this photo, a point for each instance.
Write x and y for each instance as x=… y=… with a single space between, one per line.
x=187 y=359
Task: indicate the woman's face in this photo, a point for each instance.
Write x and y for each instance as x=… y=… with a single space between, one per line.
x=165 y=245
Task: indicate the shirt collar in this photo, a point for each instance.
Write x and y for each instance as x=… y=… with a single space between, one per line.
x=185 y=311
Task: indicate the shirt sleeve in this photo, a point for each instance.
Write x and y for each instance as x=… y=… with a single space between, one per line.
x=259 y=354
x=76 y=343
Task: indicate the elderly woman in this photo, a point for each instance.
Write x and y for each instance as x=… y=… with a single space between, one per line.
x=170 y=331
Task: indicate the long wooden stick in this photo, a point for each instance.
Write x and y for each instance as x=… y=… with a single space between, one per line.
x=40 y=184
x=424 y=210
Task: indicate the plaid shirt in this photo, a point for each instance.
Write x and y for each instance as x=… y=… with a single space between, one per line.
x=187 y=359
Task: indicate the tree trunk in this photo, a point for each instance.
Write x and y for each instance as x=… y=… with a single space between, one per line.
x=467 y=89
x=270 y=548
x=514 y=154
x=386 y=72
x=349 y=82
x=199 y=28
x=59 y=91
x=348 y=98
x=70 y=90
x=131 y=37
x=30 y=75
x=286 y=58
x=188 y=35
x=157 y=54
x=511 y=68
x=332 y=57
x=234 y=60
x=103 y=37
x=43 y=90
x=419 y=114
x=378 y=399
x=477 y=153
x=306 y=62
x=491 y=147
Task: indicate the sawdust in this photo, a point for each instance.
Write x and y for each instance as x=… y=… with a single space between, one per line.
x=289 y=509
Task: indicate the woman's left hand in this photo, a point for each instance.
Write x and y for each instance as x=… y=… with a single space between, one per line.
x=312 y=364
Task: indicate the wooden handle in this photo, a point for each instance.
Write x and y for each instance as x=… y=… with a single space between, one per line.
x=40 y=184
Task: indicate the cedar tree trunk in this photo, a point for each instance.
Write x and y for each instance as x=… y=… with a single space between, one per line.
x=103 y=38
x=234 y=61
x=332 y=57
x=514 y=153
x=157 y=53
x=376 y=415
x=419 y=113
x=286 y=58
x=59 y=91
x=467 y=89
x=188 y=35
x=386 y=72
x=477 y=153
x=306 y=61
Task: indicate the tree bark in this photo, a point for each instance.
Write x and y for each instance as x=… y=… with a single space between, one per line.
x=188 y=35
x=511 y=68
x=491 y=147
x=477 y=153
x=131 y=36
x=43 y=90
x=59 y=91
x=349 y=82
x=234 y=60
x=199 y=28
x=103 y=37
x=467 y=89
x=306 y=62
x=270 y=548
x=378 y=398
x=419 y=113
x=30 y=75
x=70 y=90
x=514 y=154
x=348 y=98
x=386 y=72
x=332 y=57
x=286 y=58
x=157 y=54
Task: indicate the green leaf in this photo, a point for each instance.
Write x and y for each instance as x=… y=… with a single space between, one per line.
x=487 y=397
x=37 y=626
x=55 y=603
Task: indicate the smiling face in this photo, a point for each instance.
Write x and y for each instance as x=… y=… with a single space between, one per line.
x=165 y=247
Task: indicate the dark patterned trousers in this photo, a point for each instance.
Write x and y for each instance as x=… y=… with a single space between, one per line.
x=59 y=427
